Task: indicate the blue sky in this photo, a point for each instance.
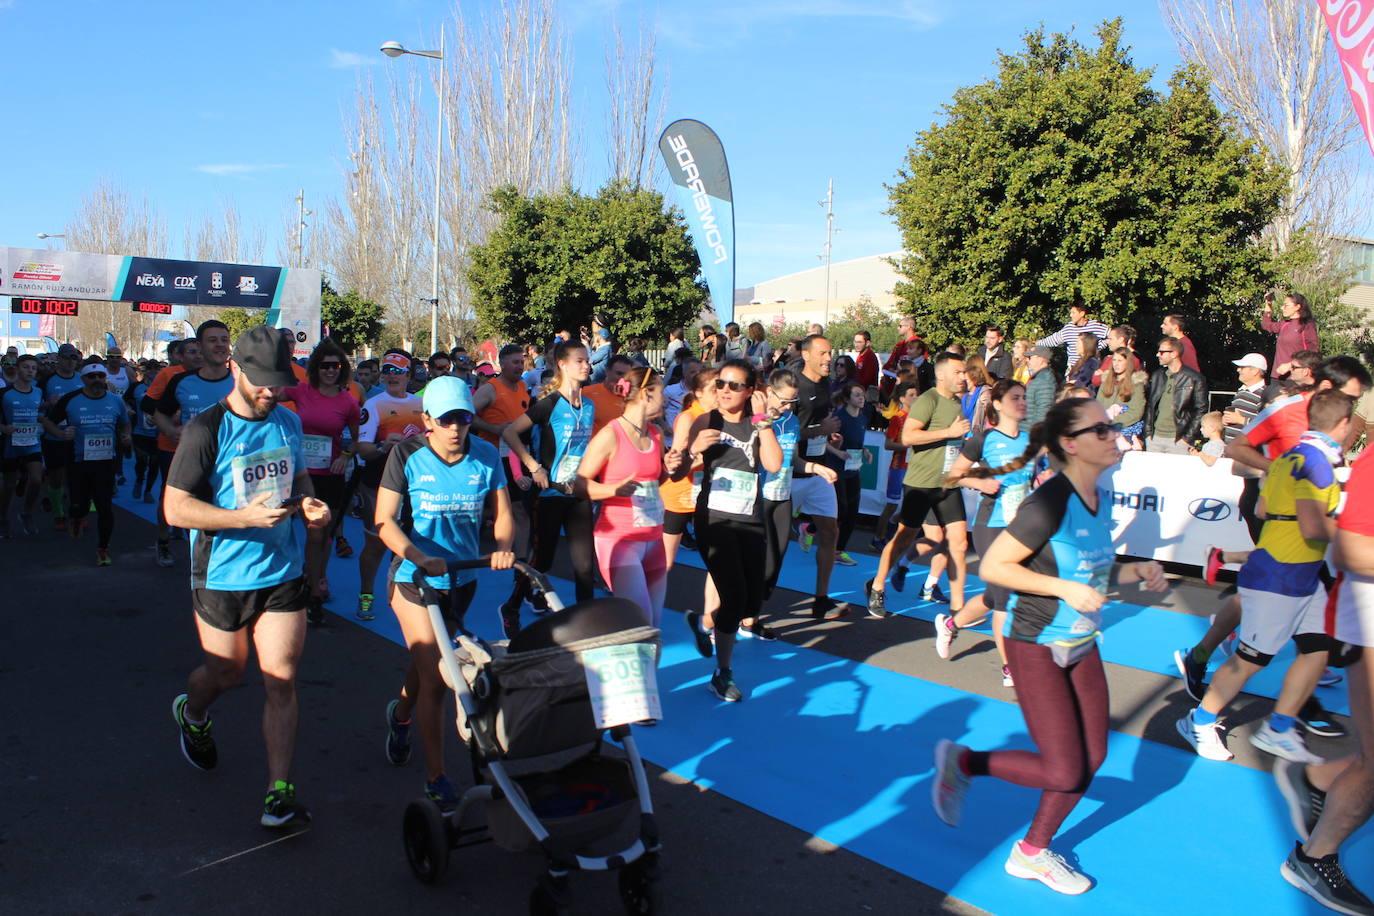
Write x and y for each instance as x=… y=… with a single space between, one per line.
x=193 y=103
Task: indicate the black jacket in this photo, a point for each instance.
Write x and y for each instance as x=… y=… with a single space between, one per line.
x=1190 y=402
x=998 y=366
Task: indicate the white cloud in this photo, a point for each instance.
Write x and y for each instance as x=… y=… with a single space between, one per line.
x=347 y=60
x=239 y=168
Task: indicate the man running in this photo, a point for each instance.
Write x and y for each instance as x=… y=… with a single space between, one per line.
x=237 y=478
x=189 y=359
x=497 y=404
x=813 y=493
x=20 y=408
x=57 y=452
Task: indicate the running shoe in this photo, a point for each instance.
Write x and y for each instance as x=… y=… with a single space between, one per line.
x=945 y=631
x=77 y=528
x=723 y=686
x=164 y=554
x=759 y=630
x=1315 y=720
x=899 y=577
x=845 y=559
x=877 y=606
x=1326 y=882
x=1289 y=745
x=397 y=737
x=314 y=611
x=197 y=741
x=1330 y=678
x=823 y=607
x=102 y=557
x=148 y=496
x=442 y=792
x=27 y=524
x=1006 y=677
x=934 y=595
x=1212 y=566
x=342 y=549
x=1194 y=673
x=281 y=809
x=1049 y=868
x=364 y=611
x=1208 y=740
x=705 y=647
x=876 y=544
x=1305 y=801
x=949 y=786
x=806 y=537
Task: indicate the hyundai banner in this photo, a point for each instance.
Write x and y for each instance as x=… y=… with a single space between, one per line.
x=696 y=163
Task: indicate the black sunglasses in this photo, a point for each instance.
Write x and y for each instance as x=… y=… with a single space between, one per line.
x=459 y=417
x=1103 y=431
x=733 y=386
x=331 y=365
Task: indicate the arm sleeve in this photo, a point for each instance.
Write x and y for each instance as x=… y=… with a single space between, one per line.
x=367 y=430
x=195 y=458
x=542 y=409
x=972 y=448
x=1041 y=514
x=167 y=403
x=1308 y=335
x=1054 y=340
x=58 y=413
x=1135 y=409
x=394 y=474
x=922 y=411
x=1270 y=324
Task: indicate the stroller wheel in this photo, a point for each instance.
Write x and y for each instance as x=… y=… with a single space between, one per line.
x=426 y=840
x=640 y=890
x=550 y=899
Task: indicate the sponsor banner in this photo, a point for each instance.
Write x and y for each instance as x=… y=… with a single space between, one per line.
x=297 y=308
x=1352 y=29
x=1198 y=509
x=696 y=164
x=39 y=272
x=211 y=283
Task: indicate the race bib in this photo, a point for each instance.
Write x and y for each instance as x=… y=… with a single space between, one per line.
x=622 y=684
x=647 y=504
x=951 y=455
x=779 y=488
x=266 y=472
x=317 y=451
x=815 y=446
x=567 y=468
x=854 y=459
x=732 y=491
x=24 y=434
x=1011 y=498
x=97 y=447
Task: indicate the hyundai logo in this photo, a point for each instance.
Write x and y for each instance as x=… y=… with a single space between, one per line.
x=1209 y=509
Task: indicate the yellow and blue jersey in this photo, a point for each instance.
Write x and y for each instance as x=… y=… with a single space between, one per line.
x=1285 y=562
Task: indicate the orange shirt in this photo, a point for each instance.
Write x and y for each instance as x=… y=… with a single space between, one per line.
x=609 y=405
x=154 y=392
x=677 y=494
x=509 y=403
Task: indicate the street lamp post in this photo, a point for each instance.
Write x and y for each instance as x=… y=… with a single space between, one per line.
x=396 y=49
x=56 y=235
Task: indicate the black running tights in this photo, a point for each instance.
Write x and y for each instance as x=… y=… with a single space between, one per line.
x=93 y=482
x=572 y=517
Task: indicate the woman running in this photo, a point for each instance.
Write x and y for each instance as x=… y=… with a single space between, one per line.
x=435 y=491
x=849 y=399
x=327 y=408
x=998 y=447
x=622 y=469
x=777 y=487
x=1056 y=555
x=736 y=444
x=563 y=419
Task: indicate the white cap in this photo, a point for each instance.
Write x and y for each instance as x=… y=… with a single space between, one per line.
x=92 y=368
x=1253 y=360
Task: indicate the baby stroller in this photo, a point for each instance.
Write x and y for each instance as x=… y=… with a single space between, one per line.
x=542 y=772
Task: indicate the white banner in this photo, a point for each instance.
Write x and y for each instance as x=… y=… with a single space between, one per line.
x=39 y=272
x=298 y=301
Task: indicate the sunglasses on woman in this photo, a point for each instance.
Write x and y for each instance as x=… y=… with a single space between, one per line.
x=335 y=365
x=1103 y=431
x=459 y=417
x=733 y=386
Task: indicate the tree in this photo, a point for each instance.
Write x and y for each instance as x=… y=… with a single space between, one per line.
x=240 y=320
x=352 y=320
x=1067 y=178
x=554 y=259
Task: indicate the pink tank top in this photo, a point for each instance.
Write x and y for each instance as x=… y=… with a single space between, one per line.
x=638 y=517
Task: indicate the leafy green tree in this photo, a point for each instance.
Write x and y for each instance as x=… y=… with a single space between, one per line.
x=352 y=320
x=1067 y=178
x=555 y=259
x=240 y=320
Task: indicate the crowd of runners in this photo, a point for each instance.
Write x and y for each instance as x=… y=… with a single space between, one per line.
x=735 y=449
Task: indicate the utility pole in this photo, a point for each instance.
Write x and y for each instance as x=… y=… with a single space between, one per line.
x=829 y=204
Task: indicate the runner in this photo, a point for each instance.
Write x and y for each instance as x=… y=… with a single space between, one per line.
x=850 y=399
x=93 y=419
x=57 y=452
x=326 y=409
x=434 y=494
x=1002 y=496
x=564 y=419
x=118 y=381
x=903 y=396
x=621 y=470
x=195 y=357
x=736 y=444
x=498 y=404
x=388 y=419
x=238 y=475
x=814 y=494
x=603 y=395
x=777 y=489
x=934 y=431
x=1281 y=592
x=1056 y=555
x=145 y=436
x=20 y=407
x=1329 y=802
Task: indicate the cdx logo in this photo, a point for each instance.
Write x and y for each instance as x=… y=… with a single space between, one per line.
x=184 y=282
x=1209 y=509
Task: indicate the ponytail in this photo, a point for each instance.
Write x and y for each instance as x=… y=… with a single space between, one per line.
x=1044 y=435
x=560 y=352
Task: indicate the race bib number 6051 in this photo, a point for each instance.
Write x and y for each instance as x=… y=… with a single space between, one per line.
x=266 y=472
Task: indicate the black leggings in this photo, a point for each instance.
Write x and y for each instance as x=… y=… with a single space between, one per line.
x=145 y=460
x=777 y=523
x=570 y=516
x=847 y=494
x=1066 y=713
x=93 y=482
x=1249 y=505
x=734 y=553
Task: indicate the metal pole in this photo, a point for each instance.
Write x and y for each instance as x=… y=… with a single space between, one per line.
x=829 y=232
x=438 y=172
x=300 y=228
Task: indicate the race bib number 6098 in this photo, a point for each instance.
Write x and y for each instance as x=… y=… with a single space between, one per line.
x=266 y=472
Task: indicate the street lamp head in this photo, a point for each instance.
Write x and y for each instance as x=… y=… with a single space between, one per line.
x=393 y=48
x=45 y=235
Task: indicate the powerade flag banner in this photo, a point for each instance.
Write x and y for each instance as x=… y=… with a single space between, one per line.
x=1352 y=29
x=110 y=341
x=696 y=163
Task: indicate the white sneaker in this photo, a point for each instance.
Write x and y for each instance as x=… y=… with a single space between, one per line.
x=1289 y=745
x=1208 y=740
x=944 y=635
x=1007 y=680
x=949 y=786
x=1049 y=868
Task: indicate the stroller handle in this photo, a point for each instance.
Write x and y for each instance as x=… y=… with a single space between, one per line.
x=536 y=577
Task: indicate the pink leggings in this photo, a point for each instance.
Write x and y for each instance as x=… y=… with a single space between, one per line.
x=1066 y=713
x=637 y=570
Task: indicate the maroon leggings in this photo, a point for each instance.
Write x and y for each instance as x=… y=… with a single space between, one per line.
x=1066 y=713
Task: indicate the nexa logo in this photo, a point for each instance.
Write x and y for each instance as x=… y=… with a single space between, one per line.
x=1209 y=509
x=700 y=198
x=1141 y=502
x=149 y=280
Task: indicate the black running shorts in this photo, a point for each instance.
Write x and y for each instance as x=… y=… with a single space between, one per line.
x=943 y=506
x=230 y=611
